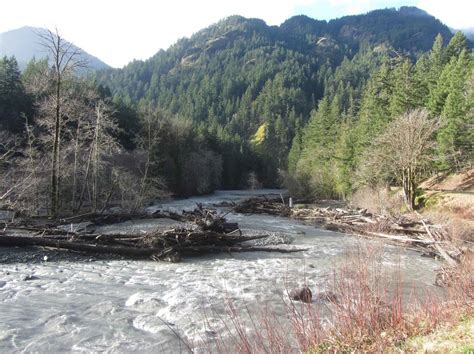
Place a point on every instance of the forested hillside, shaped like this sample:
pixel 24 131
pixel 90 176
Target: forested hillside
pixel 250 88
pixel 344 146
pixel 240 104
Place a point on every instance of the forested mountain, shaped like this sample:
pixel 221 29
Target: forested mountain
pixel 251 86
pixel 344 147
pixel 306 104
pixel 25 44
pixel 469 32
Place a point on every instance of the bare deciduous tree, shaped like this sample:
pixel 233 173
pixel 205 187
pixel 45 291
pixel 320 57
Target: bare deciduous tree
pixel 403 151
pixel 147 141
pixel 9 145
pixel 65 59
pixel 19 166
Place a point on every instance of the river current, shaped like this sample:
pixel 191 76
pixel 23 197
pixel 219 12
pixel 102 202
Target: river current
pixel 99 305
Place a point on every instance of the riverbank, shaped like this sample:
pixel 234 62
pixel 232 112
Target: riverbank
pixel 365 309
pixel 411 230
pixel 356 326
pixel 457 337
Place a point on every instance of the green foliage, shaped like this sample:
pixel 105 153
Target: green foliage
pixel 339 137
pixel 406 93
pixel 453 137
pixel 456 46
pixel 241 98
pixel 344 159
pixel 240 74
pixel 15 103
pixel 295 152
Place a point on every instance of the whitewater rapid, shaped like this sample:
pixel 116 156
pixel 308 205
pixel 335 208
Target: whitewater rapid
pixel 90 304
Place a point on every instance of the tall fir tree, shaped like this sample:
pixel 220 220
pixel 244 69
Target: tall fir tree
pixel 454 115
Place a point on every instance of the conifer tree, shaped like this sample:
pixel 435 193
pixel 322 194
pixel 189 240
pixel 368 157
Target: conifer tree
pixel 374 112
pixel 454 115
pixel 14 101
pixel 456 45
pixel 406 90
pixel 295 152
pixel 344 158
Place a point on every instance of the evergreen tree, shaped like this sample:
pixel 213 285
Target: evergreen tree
pixel 15 103
pixel 406 89
pixel 456 45
pixel 344 159
pixel 374 112
pixel 295 152
pixel 454 116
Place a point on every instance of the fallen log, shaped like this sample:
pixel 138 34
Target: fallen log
pixel 402 238
pixel 263 206
pixel 131 250
pixel 451 261
pixel 25 241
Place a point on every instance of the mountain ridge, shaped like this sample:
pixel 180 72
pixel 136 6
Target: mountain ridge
pixel 332 40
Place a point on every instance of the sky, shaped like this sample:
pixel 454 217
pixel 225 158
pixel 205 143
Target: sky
pixel 122 30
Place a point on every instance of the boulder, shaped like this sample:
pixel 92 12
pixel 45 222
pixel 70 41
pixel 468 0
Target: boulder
pixel 303 294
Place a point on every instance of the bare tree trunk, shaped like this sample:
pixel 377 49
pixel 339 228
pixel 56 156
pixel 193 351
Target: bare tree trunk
pixel 32 166
pixel 143 181
pixel 74 177
pixel 409 188
pixel 412 189
pixel 95 161
pixel 66 59
pixel 149 145
pixel 81 197
pixel 54 174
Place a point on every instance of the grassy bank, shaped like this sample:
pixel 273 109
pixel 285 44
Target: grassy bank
pixel 455 337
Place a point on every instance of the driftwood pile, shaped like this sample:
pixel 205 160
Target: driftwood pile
pixel 263 206
pixel 414 232
pixel 208 233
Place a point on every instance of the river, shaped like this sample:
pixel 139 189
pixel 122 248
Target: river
pixel 93 304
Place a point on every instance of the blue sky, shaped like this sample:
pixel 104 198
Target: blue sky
pixel 324 11
pixel 120 31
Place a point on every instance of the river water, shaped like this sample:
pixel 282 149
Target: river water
pixel 95 305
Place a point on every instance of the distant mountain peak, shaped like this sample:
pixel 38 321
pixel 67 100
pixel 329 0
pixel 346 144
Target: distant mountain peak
pixel 24 44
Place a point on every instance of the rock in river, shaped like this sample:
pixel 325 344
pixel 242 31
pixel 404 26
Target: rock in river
pixel 303 294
